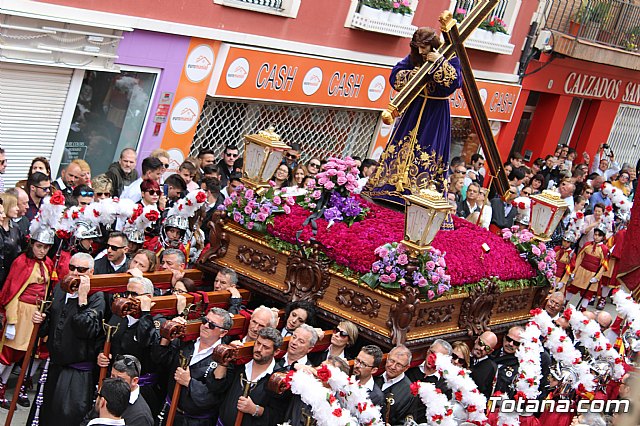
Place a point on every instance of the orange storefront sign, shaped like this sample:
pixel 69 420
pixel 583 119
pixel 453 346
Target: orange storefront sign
pixel 280 77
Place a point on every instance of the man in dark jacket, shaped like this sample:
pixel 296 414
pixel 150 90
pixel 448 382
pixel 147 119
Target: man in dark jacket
pixel 115 261
pixel 368 361
pixel 123 171
pixel 507 362
pixel 111 403
pixel 225 165
pixel 483 368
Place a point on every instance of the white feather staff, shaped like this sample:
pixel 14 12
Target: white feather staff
pixel 50 213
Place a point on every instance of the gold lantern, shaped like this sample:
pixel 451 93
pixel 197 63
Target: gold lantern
pixel 547 210
pixel 424 215
pixel 263 153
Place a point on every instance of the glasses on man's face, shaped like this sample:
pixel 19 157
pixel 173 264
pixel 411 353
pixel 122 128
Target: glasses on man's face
pixel 81 269
pixel 511 340
pixel 210 324
pixel 483 345
pixel 44 188
pixel 114 248
pixel 154 192
pixel 86 193
pixel 290 156
pixel 129 362
pixel 361 363
pixel 231 154
pixel 393 362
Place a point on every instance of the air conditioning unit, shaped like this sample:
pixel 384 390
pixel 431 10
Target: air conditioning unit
pixel 542 42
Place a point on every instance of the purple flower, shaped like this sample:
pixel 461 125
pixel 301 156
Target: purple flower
pixel 332 213
pixel 249 225
pixel 237 217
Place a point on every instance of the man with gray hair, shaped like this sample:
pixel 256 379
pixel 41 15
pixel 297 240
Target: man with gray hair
pixel 127 368
pixel 73 325
pixel 304 338
pixel 227 279
pixel 260 318
pixel 395 384
pixel 426 372
pixel 135 337
pixel 230 381
pixel 198 404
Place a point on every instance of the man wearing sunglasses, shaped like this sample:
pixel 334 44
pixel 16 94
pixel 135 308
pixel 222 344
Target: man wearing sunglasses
pixel 137 413
pixel 507 362
pixel 82 195
pixel 230 381
pixel 291 156
pixel 198 405
pixel 152 169
pixel 38 187
pixel 225 165
pixel 483 368
pixel 115 262
pixel 73 325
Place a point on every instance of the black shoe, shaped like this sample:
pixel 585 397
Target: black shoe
pixel 6 404
pixel 23 401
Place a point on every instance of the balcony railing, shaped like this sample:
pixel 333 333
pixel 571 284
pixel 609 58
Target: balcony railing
pixel 271 4
pixel 612 23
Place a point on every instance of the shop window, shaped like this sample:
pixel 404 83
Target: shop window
pixel 495 37
pixel 286 8
pixel 109 116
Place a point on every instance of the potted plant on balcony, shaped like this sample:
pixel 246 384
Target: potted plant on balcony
pixel 497 30
pixel 577 19
pixel 400 10
pixel 371 9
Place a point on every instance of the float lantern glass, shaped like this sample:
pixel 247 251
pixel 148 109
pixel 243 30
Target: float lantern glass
pixel 547 210
pixel 424 215
pixel 263 153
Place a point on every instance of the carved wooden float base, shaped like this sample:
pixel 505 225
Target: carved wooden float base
pixel 385 318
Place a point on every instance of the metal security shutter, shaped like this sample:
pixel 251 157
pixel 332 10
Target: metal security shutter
pixel 624 138
pixel 32 99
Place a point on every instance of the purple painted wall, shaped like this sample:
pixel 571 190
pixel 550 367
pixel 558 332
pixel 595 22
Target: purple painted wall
pixel 166 52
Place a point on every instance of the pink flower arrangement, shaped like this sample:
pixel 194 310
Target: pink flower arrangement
pixel 339 174
pixel 354 246
pixel 538 254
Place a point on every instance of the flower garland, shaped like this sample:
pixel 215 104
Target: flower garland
pixel 530 370
pixel 629 309
pixel 439 410
pixel 325 407
pixel 464 389
pixel 589 334
pixel 619 200
pixel 563 350
pixel 576 224
pixel 355 398
pixel 506 419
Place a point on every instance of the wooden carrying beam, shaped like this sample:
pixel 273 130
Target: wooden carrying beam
pixel 117 283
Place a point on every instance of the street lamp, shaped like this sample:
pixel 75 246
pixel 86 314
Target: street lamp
pixel 263 153
pixel 547 210
pixel 424 215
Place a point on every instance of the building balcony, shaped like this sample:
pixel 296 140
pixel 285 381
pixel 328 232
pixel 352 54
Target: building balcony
pixel 601 31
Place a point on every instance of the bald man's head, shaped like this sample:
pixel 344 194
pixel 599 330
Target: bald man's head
pixel 484 344
pixel 604 319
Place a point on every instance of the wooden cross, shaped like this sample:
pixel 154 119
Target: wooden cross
pixel 454 45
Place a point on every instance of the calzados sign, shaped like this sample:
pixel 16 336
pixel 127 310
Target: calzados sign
pixel 602 87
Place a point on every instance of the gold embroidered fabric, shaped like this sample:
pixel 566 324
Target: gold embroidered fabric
pixel 403 77
pixel 446 74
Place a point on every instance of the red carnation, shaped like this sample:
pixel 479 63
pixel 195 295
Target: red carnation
pixel 57 199
pixel 449 412
pixel 530 381
pixel 201 197
pixel 458 396
pixel 579 215
pixel 618 360
pixel 521 205
pixel 75 215
pixel 585 321
pixel 64 235
pixel 560 349
pixel 152 216
pixel 436 418
pixel 596 335
pixel 438 390
pixel 567 314
pixel 332 399
pixel 337 412
pixel 189 203
pixel 563 338
pixel 431 360
pixel 461 373
pixel 415 387
pixel 535 312
pixel 96 213
pixel 608 208
pixel 577 361
pixel 608 346
pixel 324 374
pixel 471 409
pixel 638 333
pixel 362 406
pixel 180 207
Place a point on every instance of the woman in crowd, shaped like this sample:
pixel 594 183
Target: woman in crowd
pixel 299 173
pixel 537 183
pixel 456 182
pixel 461 355
pixel 102 187
pixel 591 222
pixel 344 336
pixel 10 236
pixel 281 176
pixel 296 314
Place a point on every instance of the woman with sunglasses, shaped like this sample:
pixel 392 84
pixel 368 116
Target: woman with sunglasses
pixel 344 336
pixel 460 354
pixel 313 166
pixel 25 285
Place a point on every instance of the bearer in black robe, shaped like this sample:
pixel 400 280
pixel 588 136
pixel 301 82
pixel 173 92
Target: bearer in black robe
pixel 507 362
pixel 426 372
pixel 136 336
pixel 231 381
pixel 73 326
pixel 395 385
pixel 199 404
pixel 483 368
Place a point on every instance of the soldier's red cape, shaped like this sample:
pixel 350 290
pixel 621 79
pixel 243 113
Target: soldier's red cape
pixel 629 271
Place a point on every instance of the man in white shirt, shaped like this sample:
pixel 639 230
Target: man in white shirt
pixel 603 166
pixel 152 168
pixel 234 182
pixel 395 384
pixel 368 361
pixel 304 338
pixel 112 401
